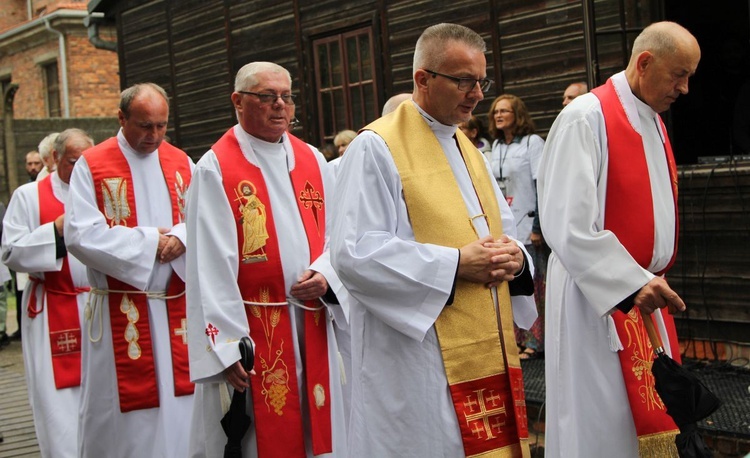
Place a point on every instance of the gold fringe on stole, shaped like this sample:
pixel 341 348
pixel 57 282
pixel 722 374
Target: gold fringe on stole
pixel 660 445
pixel 468 329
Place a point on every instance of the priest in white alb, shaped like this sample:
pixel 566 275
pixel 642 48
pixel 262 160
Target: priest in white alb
pixel 608 206
pixel 257 266
pixel 126 213
pixel 33 234
pixel 423 241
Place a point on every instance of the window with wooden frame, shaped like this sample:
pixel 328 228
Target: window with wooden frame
pixel 347 93
pixel 52 89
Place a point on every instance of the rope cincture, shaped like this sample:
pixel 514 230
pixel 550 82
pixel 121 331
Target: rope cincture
pixel 98 294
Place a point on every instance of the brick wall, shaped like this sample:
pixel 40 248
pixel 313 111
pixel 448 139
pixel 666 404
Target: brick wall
pixel 93 79
pixel 12 13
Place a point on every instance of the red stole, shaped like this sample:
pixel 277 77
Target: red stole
pixel 276 403
pixel 131 333
pixel 629 199
pixel 62 303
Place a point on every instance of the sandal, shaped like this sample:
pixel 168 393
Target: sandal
pixel 529 353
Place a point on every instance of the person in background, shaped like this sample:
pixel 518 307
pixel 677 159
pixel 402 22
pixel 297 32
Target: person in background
pixel 514 159
pixel 574 90
pixel 33 164
pixel 33 242
pixel 45 152
pixel 342 140
pixel 608 206
pixel 394 101
pixel 4 278
pixel 474 129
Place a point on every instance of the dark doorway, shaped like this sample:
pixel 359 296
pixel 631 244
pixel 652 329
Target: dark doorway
pixel 702 121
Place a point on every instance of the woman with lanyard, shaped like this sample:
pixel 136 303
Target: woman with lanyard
pixel 515 157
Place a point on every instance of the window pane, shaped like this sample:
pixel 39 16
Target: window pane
pixel 370 103
pixel 325 75
pixel 327 120
pixel 364 55
pixel 53 90
pixel 357 107
pixel 351 53
pixel 336 65
pixel 340 107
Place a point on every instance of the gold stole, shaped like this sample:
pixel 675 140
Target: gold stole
pixel 481 364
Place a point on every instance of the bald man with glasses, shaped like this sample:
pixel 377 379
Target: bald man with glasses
pixel 424 242
pixel 257 215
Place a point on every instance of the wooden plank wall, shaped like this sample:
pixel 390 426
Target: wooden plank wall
pixel 542 51
pixel 711 270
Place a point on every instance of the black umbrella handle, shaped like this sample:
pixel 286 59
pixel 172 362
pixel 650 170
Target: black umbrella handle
pixel 247 353
pixel 653 336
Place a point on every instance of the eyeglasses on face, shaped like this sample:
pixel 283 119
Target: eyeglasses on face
pixel 267 98
pixel 465 84
pixel 502 111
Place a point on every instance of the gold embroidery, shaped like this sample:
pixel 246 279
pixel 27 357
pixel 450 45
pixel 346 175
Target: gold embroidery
pixel 642 362
pixel 115 196
pixel 319 393
pixel 253 221
pixel 131 331
pixel 182 330
pixel 275 373
pixel 179 186
pixel 481 419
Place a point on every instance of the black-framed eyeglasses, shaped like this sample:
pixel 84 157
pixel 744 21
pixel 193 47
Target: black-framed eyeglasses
pixel 267 98
pixel 465 84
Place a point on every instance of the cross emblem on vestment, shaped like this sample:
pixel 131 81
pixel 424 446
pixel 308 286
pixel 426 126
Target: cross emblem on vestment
pixel 311 199
pixel 182 330
pixel 67 342
pixel 485 414
pixel 212 331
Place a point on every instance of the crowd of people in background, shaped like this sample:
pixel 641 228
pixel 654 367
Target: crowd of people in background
pixel 390 287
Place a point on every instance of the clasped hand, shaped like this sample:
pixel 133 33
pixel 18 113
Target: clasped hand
pixel 490 261
pixel 169 248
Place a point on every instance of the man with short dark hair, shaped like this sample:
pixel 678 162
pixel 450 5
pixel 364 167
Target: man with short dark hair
pixel 608 204
pixel 126 224
pixel 423 243
pixel 54 300
pixel 33 164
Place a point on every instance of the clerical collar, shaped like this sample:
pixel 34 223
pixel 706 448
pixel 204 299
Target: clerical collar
pixel 438 128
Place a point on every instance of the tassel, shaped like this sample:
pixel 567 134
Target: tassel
pixel 659 445
pixel 614 340
pixel 224 398
pixel 342 371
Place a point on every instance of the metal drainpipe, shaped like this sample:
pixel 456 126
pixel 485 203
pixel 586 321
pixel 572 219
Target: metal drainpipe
pixel 30 9
pixel 63 64
pixel 91 22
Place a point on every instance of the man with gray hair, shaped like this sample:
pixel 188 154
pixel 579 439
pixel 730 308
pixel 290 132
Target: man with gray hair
pixel 257 217
pixel 608 206
pixel 126 224
pixel 45 152
pixel 54 301
pixel 423 241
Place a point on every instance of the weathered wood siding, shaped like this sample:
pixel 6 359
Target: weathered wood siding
pixel 711 270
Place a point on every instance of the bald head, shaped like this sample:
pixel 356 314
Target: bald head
pixel 394 102
pixel 665 55
pixel 573 91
